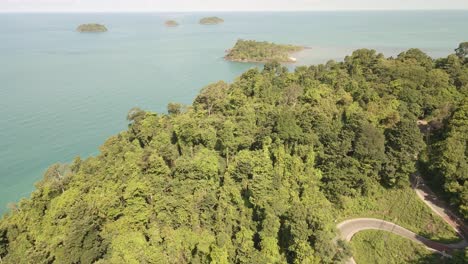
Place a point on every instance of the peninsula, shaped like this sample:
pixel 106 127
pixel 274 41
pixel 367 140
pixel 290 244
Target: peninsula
pixel 256 51
pixel 277 166
pixel 91 28
pixel 171 23
pixel 211 21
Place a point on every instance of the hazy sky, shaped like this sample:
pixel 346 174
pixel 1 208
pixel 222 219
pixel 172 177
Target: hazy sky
pixel 233 5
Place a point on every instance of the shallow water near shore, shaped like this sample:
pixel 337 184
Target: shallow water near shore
pixel 63 93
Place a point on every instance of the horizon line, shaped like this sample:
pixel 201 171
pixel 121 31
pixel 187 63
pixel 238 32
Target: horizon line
pixel 227 11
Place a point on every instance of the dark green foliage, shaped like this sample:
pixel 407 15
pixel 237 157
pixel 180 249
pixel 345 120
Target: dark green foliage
pixel 3 242
pixel 174 108
pixel 417 57
pixel 404 143
pixel 212 98
pixel 253 171
pixel 449 158
pixel 135 114
pixel 462 50
pixel 460 257
pixel 287 128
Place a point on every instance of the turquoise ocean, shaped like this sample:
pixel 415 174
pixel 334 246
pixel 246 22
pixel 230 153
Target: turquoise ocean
pixel 63 93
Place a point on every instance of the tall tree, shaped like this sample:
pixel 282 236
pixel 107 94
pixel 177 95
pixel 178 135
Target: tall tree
pixel 462 50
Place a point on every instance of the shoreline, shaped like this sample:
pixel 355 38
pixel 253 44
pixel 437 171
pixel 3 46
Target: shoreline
pixel 292 60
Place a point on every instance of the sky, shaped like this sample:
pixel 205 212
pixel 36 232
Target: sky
pixel 221 5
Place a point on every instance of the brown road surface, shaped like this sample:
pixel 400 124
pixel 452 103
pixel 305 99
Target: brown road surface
pixel 438 206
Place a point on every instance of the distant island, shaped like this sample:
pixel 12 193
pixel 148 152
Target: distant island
pixel 261 51
pixel 211 21
pixel 171 23
pixel 91 28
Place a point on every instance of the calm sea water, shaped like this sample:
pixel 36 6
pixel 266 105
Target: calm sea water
pixel 63 93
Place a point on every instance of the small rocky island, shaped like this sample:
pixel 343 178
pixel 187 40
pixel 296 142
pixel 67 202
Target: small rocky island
pixel 171 23
pixel 211 21
pixel 261 51
pixel 91 28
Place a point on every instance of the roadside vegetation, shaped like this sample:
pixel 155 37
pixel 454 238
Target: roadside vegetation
pixel 379 247
pixel 400 206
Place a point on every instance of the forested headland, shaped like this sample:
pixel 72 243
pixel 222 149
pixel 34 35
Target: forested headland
pixel 261 51
pixel 256 171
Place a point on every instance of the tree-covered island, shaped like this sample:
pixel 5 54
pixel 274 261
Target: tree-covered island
pixel 211 21
pixel 261 51
pixel 171 23
pixel 93 27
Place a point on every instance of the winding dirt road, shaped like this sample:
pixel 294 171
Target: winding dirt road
pixel 350 227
